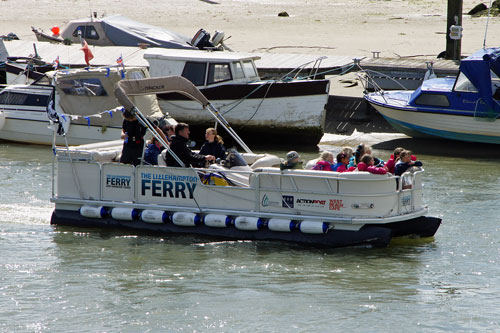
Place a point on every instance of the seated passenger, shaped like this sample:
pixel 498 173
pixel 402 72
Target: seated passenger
pixel 405 162
pixel 214 144
pixel 377 162
pixel 292 161
pixel 325 162
pixel 180 148
pixel 391 162
pixel 342 161
pixel 356 157
pixel 367 164
pixel 152 150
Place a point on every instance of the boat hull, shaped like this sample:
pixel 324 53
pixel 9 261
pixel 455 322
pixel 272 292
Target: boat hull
pixel 272 109
pixel 369 235
pixel 425 124
pixel 37 131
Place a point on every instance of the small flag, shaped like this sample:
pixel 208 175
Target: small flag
pixel 119 61
pixel 86 51
pixel 55 63
pixel 122 73
pixel 108 71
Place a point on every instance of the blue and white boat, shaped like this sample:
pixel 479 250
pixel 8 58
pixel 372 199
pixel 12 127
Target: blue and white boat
pixel 464 108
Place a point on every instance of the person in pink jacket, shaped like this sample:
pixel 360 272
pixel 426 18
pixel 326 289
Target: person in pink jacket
pixel 325 162
pixel 367 164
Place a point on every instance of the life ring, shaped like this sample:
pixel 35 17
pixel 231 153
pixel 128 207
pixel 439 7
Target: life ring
pixel 2 119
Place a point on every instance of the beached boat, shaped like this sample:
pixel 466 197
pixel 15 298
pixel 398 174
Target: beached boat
pixel 464 108
pixel 80 99
pixel 290 111
pixel 119 30
pixel 234 200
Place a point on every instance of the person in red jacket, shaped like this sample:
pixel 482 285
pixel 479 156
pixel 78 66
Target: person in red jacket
pixel 367 164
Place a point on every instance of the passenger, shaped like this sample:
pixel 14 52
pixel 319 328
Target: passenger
pixel 377 162
pixel 405 162
pixel 292 161
pixel 391 162
pixel 168 130
pixel 325 162
pixel 356 158
pixel 152 150
pixel 367 164
pixel 214 144
pixel 133 139
pixel 342 161
pixel 348 151
pixel 179 147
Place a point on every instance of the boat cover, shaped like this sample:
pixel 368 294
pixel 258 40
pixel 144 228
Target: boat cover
pixel 477 68
pixel 123 31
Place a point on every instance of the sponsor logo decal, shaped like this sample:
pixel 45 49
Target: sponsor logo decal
pixel 117 181
pixel 406 200
pixel 303 202
pixel 267 202
pixel 287 201
pixel 336 204
pixel 168 186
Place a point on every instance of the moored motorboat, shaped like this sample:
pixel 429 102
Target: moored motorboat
pixel 465 108
pixel 247 202
pixel 82 99
pixel 269 110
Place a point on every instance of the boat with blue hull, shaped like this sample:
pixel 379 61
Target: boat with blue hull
pixel 464 108
pixel 245 197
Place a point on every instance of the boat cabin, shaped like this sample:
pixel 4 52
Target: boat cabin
pixel 203 68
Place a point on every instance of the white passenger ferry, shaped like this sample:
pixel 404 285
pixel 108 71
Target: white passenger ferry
pixel 243 201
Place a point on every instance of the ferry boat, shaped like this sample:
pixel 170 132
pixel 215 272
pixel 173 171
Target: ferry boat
pixel 464 108
pixel 242 198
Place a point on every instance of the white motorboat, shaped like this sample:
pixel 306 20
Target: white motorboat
pixel 82 98
pixel 276 111
pixel 233 200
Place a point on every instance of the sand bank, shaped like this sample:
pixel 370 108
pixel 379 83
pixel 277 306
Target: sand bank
pixel 355 27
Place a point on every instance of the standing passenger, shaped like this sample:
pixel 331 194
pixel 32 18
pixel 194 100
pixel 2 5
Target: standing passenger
pixel 133 139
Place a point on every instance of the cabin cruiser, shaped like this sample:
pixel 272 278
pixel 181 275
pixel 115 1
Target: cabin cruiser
pixel 80 101
pixel 287 111
pixel 464 108
pixel 250 200
pixel 119 30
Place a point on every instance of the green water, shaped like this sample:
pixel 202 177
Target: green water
pixel 66 279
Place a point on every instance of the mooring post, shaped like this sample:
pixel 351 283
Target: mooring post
pixel 454 19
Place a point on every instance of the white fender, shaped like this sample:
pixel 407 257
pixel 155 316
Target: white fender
pixel 2 119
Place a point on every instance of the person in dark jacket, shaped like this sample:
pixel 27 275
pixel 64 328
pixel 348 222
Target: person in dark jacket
pixel 133 139
pixel 179 147
pixel 405 162
pixel 214 144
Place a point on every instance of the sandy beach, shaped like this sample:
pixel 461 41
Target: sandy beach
pixel 357 27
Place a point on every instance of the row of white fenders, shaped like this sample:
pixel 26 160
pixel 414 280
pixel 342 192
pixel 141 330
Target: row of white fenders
pixel 187 219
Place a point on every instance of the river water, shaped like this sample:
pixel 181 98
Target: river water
pixel 55 279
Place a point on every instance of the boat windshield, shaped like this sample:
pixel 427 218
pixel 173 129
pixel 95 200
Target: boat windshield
pixel 463 84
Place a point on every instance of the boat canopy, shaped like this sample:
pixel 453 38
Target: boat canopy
pixel 478 67
pixel 126 32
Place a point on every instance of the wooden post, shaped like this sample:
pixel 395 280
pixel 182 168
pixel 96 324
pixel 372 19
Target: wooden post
pixel 453 46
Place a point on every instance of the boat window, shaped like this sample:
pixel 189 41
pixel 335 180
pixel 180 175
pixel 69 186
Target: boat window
pixel 136 75
pixel 249 68
pixel 11 98
pixel 463 84
pixel 195 72
pixel 432 100
pixel 238 71
pixel 88 32
pixel 82 87
pixel 495 85
pixel 218 73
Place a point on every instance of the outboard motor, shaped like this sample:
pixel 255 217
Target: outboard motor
pixel 233 159
pixel 201 40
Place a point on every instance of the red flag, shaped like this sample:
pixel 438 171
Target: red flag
pixel 86 51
